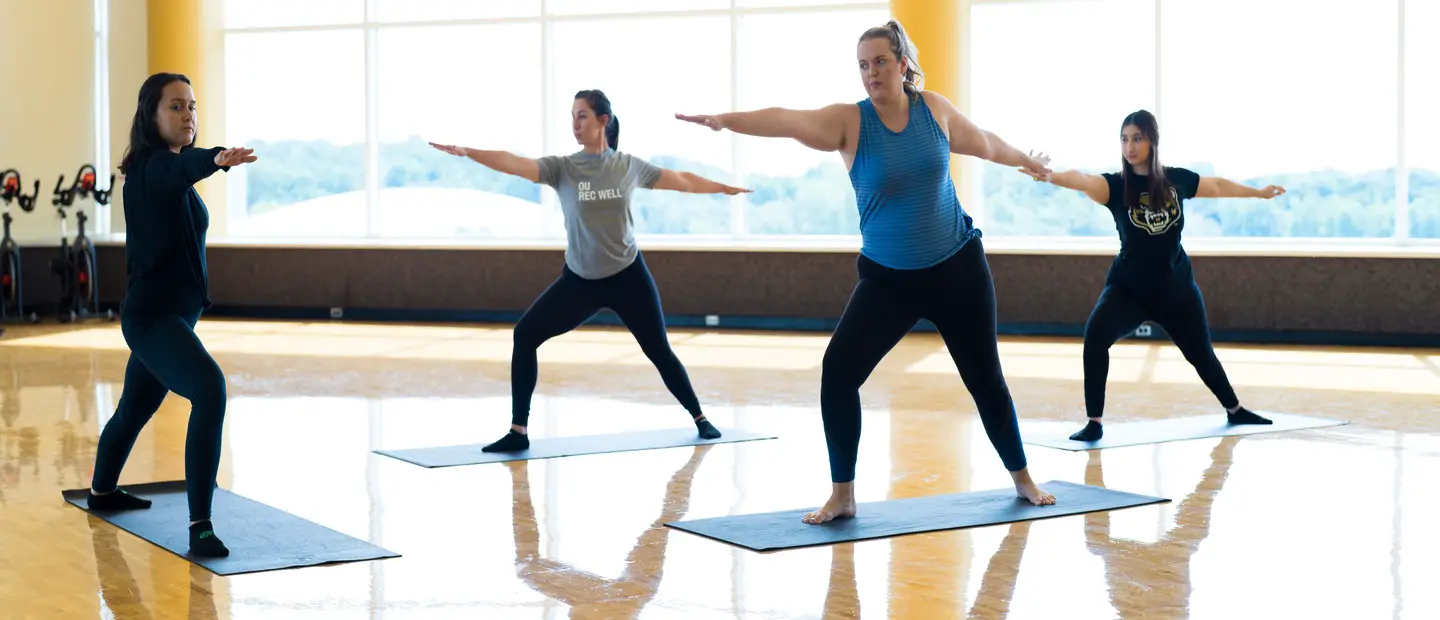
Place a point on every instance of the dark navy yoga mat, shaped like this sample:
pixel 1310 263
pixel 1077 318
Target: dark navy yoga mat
pixel 775 531
pixel 260 538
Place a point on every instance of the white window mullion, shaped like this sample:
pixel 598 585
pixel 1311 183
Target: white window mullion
pixel 738 227
pixel 1402 174
pixel 373 209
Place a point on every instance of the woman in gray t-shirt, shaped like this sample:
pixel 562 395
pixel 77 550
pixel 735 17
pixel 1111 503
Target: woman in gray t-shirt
pixel 603 267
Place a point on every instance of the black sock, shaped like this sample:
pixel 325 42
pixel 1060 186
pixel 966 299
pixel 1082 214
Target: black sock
pixel 511 442
pixel 116 500
pixel 707 430
pixel 1246 416
pixel 204 543
pixel 1093 431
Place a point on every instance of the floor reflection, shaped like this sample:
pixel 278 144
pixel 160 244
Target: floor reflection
pixel 583 538
pixel 121 594
pixel 589 595
pixel 1136 589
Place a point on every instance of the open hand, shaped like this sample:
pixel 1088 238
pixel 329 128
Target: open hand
pixel 713 122
pixel 1037 166
pixel 234 157
pixel 1271 191
pixel 458 151
pixel 1043 178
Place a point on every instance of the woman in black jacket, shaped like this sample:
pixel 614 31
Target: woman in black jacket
pixel 167 290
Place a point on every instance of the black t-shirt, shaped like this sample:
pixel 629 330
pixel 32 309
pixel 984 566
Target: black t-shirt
pixel 1150 258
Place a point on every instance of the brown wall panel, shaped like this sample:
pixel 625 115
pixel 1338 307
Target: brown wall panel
pixel 1357 295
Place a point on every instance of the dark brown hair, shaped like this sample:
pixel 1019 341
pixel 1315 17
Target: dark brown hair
pixel 145 136
pixel 601 105
pixel 1159 185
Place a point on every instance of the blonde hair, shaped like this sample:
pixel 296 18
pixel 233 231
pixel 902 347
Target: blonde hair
pixel 903 48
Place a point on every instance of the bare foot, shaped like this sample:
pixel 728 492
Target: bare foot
pixel 1027 489
pixel 841 505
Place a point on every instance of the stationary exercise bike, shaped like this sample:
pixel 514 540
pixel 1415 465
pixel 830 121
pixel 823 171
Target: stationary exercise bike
pixel 11 293
pixel 79 291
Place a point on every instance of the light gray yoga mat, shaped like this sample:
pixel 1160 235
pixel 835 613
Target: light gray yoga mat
pixel 556 447
pixel 1143 432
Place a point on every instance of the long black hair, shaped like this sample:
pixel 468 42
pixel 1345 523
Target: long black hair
pixel 1159 185
pixel 144 133
pixel 601 105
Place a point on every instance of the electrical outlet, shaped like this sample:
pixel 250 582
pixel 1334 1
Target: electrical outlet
pixel 712 320
pixel 336 313
pixel 1143 331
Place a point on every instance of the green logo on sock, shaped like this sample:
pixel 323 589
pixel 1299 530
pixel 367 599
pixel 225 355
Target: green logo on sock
pixel 206 534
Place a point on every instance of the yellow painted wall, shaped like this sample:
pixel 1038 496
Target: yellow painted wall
pixel 129 66
pixel 47 109
pixel 937 29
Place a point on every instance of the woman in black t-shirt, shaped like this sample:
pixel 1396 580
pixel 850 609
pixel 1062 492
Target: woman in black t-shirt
pixel 1151 279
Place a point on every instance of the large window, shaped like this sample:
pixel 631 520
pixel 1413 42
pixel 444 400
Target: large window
pixel 1284 105
pixel 1422 125
pixel 647 83
pixel 802 61
pixel 1257 91
pixel 342 98
pixel 1058 77
pixel 298 99
pixel 439 84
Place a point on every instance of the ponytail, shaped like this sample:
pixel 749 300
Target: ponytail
pixel 612 132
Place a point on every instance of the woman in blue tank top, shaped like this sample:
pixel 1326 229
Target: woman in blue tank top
pixel 920 257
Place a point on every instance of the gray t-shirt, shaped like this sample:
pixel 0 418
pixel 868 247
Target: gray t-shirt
pixel 595 199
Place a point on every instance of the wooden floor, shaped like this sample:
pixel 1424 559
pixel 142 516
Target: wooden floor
pixel 1329 523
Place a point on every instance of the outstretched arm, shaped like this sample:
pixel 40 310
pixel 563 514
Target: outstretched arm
pixel 968 139
pixel 692 183
pixel 175 172
pixel 1092 185
pixel 499 161
pixel 1216 187
pixel 822 129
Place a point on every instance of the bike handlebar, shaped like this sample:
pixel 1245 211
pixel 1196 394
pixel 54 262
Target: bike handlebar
pixel 12 187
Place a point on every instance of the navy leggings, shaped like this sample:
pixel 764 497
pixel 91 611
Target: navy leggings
pixel 569 302
pixel 956 295
pixel 166 356
pixel 1180 312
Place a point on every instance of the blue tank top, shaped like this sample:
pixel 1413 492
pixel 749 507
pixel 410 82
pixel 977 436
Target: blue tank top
pixel 910 217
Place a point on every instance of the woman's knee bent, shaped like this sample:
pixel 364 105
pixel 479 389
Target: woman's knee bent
pixel 209 394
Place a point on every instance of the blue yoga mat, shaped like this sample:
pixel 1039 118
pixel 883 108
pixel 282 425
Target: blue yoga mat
pixel 774 531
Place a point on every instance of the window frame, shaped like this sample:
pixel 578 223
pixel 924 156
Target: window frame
pixel 1400 243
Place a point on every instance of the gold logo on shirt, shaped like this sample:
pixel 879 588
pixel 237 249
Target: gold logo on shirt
pixel 1156 221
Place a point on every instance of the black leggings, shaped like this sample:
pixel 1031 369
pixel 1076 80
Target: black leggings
pixel 1180 312
pixel 166 356
pixel 958 296
pixel 570 301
